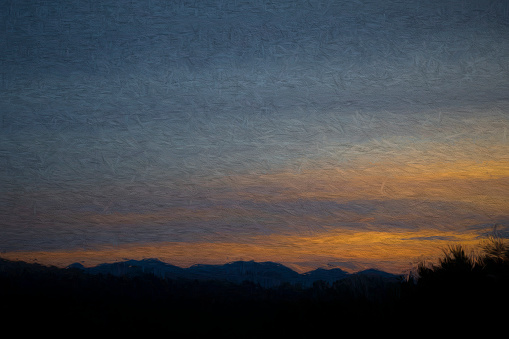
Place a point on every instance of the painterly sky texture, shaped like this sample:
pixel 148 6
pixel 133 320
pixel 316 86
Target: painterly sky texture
pixel 320 133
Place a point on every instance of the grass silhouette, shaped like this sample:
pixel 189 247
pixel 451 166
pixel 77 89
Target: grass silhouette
pixel 463 290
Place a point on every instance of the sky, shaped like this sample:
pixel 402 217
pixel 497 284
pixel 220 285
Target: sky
pixel 353 134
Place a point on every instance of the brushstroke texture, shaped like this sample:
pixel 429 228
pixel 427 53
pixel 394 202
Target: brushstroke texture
pixel 366 133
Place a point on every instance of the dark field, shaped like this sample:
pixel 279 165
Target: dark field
pixel 460 293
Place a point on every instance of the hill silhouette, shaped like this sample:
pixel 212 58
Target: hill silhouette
pixel 460 293
pixel 266 274
pixel 140 295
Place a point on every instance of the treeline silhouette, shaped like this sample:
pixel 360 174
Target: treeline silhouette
pixel 46 296
pixel 463 287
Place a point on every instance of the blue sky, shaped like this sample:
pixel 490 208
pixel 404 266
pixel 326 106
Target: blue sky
pixel 270 123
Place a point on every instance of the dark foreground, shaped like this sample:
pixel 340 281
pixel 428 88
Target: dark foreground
pixel 39 299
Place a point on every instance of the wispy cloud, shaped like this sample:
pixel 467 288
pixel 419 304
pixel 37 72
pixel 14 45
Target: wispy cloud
pixel 264 129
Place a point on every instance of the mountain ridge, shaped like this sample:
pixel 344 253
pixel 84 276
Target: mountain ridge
pixel 266 274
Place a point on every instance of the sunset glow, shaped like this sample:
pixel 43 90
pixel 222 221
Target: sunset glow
pixel 351 134
pixel 344 219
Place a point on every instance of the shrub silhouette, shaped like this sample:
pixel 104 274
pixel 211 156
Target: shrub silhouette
pixel 496 250
pixel 475 286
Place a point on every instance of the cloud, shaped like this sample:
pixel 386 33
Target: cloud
pixel 435 238
pixel 190 123
pixel 393 251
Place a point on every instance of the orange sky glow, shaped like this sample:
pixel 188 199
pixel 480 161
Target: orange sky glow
pixel 350 134
pixel 474 191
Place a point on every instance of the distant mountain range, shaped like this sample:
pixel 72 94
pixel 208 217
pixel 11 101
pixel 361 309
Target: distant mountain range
pixel 267 274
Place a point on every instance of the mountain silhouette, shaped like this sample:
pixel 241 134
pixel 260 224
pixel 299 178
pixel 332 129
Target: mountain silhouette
pixel 266 274
pixel 327 275
pixel 135 268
